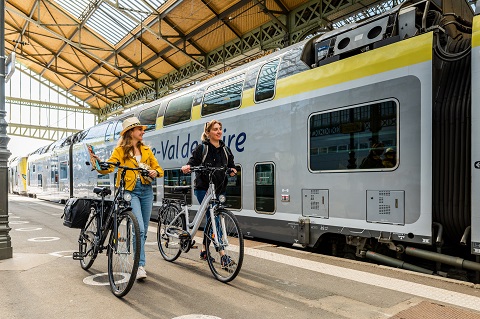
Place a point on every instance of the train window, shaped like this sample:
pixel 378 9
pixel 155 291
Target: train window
pixel 178 110
pixel 265 87
pixel 118 128
pixel 53 173
pixel 63 170
pixel 360 137
pixel 175 177
pixel 265 188
pixel 148 117
pixel 234 190
pixel 96 132
pixel 109 133
pixel 223 96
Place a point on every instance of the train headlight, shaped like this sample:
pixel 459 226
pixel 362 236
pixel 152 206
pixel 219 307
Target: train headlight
pixel 127 197
pixel 222 199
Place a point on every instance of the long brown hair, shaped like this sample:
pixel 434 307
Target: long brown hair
pixel 125 142
pixel 208 128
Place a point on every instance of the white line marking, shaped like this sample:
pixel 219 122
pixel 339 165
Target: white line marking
pixel 43 239
pixel 408 287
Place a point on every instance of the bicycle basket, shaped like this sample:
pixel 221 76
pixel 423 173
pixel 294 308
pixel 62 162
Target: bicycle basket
pixel 76 212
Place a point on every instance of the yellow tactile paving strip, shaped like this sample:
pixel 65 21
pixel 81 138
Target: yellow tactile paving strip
pixel 429 310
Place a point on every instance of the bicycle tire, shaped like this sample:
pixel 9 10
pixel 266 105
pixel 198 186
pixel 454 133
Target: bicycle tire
pixel 231 246
pixel 87 242
pixel 169 247
pixel 123 260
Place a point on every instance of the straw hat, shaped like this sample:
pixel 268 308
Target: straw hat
pixel 130 123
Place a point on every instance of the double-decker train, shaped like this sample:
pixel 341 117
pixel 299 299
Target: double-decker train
pixel 361 142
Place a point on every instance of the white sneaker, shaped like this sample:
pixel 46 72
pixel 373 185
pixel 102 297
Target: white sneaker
pixel 141 273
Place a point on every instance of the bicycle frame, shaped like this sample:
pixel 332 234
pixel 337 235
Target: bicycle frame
pixel 205 205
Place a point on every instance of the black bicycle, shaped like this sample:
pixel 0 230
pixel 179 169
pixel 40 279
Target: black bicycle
pixel 112 219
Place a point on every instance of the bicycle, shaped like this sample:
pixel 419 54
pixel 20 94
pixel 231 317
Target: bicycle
pixel 224 238
pixel 112 219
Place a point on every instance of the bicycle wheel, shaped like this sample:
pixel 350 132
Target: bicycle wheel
pixel 169 246
pixel 124 254
pixel 86 242
pixel 228 256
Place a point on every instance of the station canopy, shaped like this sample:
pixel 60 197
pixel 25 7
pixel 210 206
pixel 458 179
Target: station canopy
pixel 106 51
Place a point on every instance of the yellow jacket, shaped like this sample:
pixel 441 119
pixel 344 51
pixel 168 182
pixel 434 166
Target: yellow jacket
pixel 131 176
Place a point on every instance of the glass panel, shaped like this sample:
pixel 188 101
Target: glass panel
pixel 63 170
pixel 223 98
pixel 354 138
pixel 265 188
pixel 149 117
pixel 234 190
pixel 110 132
pixel 265 88
pixel 175 177
pixel 178 110
pixel 96 132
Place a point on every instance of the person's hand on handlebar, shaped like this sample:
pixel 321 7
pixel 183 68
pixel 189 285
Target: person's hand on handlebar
pixel 152 173
pixel 185 169
pixel 232 171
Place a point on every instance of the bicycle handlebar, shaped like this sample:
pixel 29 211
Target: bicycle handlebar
pixel 210 169
pixel 106 165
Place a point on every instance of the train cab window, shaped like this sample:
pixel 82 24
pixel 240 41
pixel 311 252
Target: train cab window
pixel 110 132
pixel 178 110
pixel 360 137
pixel 265 188
pixel 119 128
pixel 223 96
pixel 234 190
pixel 148 117
pixel 265 87
pixel 96 132
pixel 175 177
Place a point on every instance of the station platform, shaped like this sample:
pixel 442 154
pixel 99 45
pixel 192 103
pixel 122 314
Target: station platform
pixel 43 281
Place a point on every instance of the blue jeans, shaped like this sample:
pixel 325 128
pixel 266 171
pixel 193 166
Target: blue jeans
pixel 142 200
pixel 200 194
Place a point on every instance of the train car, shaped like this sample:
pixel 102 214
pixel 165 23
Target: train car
pixel 17 169
pixel 37 171
pixel 356 141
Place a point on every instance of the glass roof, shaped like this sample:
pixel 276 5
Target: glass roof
pixel 111 19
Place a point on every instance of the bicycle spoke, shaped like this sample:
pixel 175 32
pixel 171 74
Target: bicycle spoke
pixel 124 255
pixel 228 251
pixel 169 246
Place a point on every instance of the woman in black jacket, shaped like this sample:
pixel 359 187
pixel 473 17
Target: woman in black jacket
pixel 213 153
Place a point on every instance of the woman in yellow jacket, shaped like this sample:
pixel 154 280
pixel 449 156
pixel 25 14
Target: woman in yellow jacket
pixel 131 152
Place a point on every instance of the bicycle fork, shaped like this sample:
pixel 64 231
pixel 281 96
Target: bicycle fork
pixel 219 238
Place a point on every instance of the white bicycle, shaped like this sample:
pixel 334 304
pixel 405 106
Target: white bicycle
pixel 224 238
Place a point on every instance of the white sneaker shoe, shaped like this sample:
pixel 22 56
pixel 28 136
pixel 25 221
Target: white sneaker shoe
pixel 141 273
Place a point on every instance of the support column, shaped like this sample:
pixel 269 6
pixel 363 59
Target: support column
pixel 5 240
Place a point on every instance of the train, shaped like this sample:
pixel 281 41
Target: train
pixel 17 175
pixel 311 126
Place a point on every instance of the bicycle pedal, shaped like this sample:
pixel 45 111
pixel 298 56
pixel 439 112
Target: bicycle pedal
pixel 77 255
pixel 192 245
pixel 183 235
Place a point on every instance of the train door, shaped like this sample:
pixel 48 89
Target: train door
pixel 475 134
pixel 54 178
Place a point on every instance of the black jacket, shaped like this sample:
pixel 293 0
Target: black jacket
pixel 215 157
